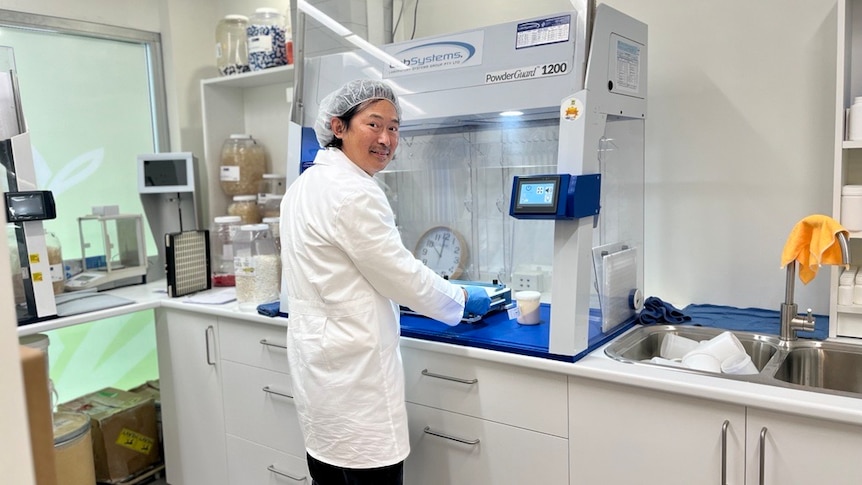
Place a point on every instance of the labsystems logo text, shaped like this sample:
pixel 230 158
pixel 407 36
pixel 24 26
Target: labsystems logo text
pixel 437 54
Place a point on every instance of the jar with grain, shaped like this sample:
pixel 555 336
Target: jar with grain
pixel 267 35
pixel 223 232
pixel 55 260
pixel 232 45
pixel 257 266
pixel 243 162
pixel 245 206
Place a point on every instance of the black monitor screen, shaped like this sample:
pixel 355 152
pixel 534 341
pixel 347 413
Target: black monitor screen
pixel 163 173
pixel 29 205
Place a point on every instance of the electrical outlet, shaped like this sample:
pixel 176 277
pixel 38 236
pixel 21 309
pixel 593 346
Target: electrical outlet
pixel 527 280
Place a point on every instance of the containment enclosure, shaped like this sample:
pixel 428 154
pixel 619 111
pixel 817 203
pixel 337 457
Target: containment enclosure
pixel 482 108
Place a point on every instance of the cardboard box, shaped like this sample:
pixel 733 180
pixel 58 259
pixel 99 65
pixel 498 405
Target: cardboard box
pixel 33 366
pixel 124 431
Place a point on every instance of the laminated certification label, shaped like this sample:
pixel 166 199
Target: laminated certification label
pixel 135 441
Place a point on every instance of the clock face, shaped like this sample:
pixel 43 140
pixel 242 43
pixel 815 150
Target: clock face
pixel 443 250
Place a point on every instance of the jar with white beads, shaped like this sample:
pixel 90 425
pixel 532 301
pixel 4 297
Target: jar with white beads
pixel 267 35
pixel 232 45
pixel 257 266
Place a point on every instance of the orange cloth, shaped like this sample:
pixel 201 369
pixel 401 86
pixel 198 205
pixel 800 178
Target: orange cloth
pixel 813 242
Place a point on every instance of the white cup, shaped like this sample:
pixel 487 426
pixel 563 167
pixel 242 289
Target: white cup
pixel 528 306
pixel 722 346
pixel 667 362
pixel 701 361
pixel 738 364
pixel 675 347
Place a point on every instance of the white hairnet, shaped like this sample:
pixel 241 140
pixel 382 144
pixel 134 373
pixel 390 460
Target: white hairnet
pixel 340 101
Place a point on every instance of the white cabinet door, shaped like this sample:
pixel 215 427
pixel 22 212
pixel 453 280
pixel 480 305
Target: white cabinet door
pixel 487 453
pixel 259 407
pixel 801 451
pixel 621 435
pixel 253 464
pixel 518 396
pixel 192 412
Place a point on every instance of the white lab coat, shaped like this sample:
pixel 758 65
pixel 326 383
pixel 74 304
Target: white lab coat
pixel 345 268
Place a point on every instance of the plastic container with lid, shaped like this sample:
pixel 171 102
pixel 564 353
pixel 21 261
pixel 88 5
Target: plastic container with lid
pixel 270 184
pixel 288 36
pixel 267 36
pixel 274 229
pixel 257 266
pixel 232 45
pixel 55 260
pixel 223 231
pixel 854 120
pixel 851 207
pixel 243 162
pixel 245 206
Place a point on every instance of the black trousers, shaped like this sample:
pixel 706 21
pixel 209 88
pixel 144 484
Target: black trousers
pixel 325 474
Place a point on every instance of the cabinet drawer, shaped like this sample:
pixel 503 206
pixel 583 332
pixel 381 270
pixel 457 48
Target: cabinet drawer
pixel 267 417
pixel 503 454
pixel 507 394
pixel 248 462
pixel 254 344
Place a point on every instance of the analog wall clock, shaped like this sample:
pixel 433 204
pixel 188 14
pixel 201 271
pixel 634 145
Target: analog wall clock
pixel 442 249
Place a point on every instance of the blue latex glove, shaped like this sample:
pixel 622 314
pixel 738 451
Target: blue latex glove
pixel 477 302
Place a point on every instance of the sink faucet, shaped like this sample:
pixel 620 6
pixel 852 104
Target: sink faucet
pixel 791 322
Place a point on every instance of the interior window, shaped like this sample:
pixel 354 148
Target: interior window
pixel 93 100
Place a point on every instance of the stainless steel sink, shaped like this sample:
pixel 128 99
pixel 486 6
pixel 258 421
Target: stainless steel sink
pixel 828 367
pixel 645 343
pixel 824 365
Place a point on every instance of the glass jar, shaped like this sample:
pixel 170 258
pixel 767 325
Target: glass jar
pixel 274 229
pixel 55 260
pixel 266 39
pixel 223 232
pixel 257 266
pixel 270 184
pixel 232 45
pixel 245 206
pixel 243 162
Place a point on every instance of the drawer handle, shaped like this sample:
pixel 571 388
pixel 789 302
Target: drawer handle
pixel 724 452
pixel 449 378
pixel 762 456
pixel 275 470
pixel 269 390
pixel 428 430
pixel 266 342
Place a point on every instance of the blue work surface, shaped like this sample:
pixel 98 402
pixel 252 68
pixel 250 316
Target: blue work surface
pixel 496 332
pixel 755 320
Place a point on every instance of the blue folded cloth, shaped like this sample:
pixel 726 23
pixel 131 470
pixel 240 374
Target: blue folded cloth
pixel 271 309
pixel 657 311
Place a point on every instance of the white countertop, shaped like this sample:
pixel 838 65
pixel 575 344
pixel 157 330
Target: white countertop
pixel 596 365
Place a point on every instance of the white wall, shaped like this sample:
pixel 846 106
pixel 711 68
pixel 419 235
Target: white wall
pixel 739 136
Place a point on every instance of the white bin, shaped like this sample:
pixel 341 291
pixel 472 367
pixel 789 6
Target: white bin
pixel 851 207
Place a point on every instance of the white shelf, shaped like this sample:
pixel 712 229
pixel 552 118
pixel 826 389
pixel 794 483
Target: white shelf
pixel 857 309
pixel 849 145
pixel 266 77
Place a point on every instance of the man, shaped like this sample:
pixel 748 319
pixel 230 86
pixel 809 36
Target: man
pixel 346 272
